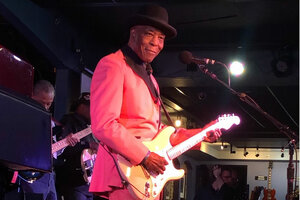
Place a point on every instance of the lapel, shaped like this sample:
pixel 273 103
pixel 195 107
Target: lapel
pixel 138 66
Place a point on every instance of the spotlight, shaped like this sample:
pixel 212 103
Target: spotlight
pixel 257 154
pixel 231 151
pixel 245 152
pixel 236 68
pixel 178 123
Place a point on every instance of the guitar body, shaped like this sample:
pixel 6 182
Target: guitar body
pixel 87 160
pixel 269 194
pixel 145 185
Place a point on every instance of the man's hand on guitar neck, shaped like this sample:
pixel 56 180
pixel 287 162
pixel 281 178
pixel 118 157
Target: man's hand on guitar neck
pixel 154 163
pixel 183 134
pixel 212 136
pixel 72 140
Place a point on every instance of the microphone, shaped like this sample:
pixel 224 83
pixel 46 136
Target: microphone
pixel 186 57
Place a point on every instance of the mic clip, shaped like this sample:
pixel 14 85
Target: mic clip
pixel 204 69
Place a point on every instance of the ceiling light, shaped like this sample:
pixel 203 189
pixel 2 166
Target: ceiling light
pixel 178 123
pixel 222 146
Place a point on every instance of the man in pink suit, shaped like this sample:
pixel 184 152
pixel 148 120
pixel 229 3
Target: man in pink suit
pixel 125 105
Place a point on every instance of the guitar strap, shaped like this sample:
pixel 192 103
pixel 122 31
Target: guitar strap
pixel 138 66
pixel 149 72
pixel 123 181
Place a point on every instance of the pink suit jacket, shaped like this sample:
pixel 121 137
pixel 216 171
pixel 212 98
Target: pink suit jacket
pixel 123 114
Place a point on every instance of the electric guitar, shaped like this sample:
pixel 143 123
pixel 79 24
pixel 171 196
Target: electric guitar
pixel 88 157
pixel 31 176
pixel 269 193
pixel 145 185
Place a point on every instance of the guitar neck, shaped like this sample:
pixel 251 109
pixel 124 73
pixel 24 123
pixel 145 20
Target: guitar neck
pixel 63 143
pixel 269 178
pixel 270 174
pixel 223 122
pixel 189 143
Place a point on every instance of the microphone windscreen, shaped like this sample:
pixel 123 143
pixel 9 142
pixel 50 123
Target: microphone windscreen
pixel 185 57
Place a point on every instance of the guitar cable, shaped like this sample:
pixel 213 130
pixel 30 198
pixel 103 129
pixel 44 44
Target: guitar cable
pixel 123 181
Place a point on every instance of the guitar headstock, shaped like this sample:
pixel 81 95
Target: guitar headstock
pixel 227 120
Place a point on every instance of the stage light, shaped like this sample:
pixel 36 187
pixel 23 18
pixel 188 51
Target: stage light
pixel 245 152
pixel 257 154
pixel 236 68
pixel 231 151
pixel 178 123
pixel 222 146
pixel 282 150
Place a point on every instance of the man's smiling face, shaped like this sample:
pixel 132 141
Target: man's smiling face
pixel 147 42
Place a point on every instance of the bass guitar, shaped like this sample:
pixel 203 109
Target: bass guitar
pixel 269 193
pixel 88 157
pixel 31 176
pixel 64 143
pixel 144 185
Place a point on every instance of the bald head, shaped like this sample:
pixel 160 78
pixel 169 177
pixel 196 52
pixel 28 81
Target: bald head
pixel 43 93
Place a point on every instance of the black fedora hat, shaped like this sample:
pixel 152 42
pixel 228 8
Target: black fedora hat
pixel 156 16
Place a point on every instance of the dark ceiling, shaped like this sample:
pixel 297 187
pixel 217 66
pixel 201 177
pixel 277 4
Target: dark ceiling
pixel 259 31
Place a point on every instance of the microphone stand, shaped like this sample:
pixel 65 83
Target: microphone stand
pixel 281 127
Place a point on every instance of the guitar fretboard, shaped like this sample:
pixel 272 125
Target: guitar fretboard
pixel 223 122
pixel 63 143
pixel 189 143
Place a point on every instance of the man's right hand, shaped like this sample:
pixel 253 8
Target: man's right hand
pixel 155 164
